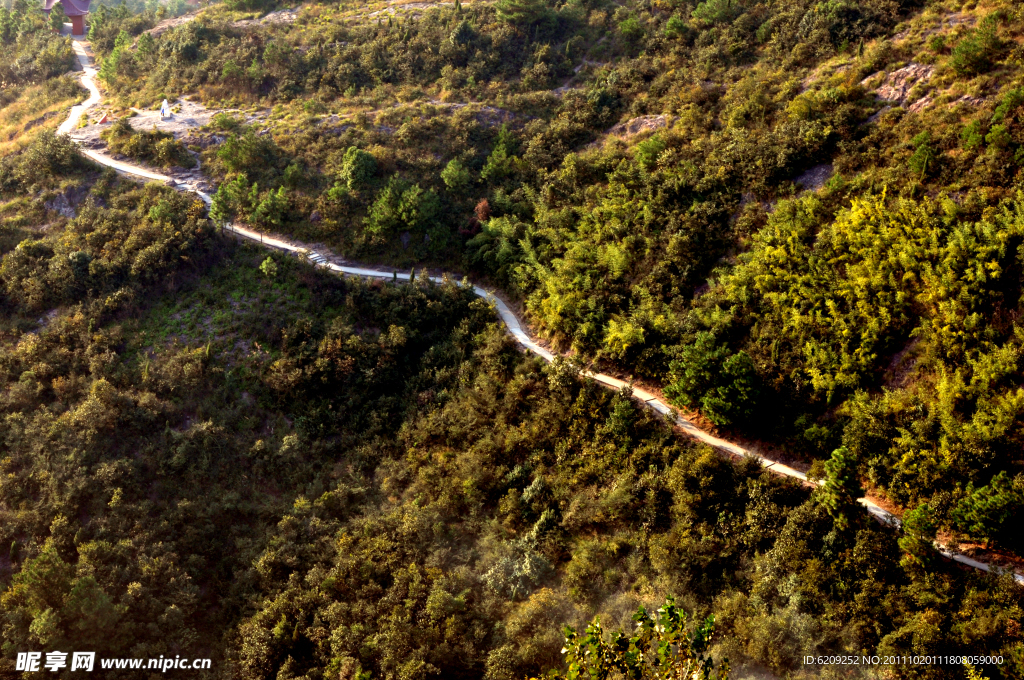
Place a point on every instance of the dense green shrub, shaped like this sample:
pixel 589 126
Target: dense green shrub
pixel 150 146
pixel 28 52
pixel 723 385
pixel 976 51
pixel 357 168
pixel 841 488
pixel 403 206
pixel 47 156
pixel 662 646
pixel 154 231
pixel 716 11
pixel 113 26
pixel 917 542
pixel 456 177
pixel 892 270
pixel 250 153
pixel 988 512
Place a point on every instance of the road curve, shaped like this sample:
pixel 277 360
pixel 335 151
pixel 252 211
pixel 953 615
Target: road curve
pixel 511 321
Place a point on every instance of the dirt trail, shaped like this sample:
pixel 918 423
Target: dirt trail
pixel 508 317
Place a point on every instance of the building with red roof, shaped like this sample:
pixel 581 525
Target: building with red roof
pixel 74 10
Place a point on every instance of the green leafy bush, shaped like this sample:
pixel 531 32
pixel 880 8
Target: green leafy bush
pixel 919 531
pixel 1011 101
pixel 972 136
pixel 676 27
pixel 924 154
pixel 841 488
pixel 523 12
pixel 716 11
pixel 150 146
pixel 249 153
pixel 998 137
pixel 631 30
pixel 456 177
pixel 225 122
pixel 269 268
pixel 663 646
pixel 47 156
pixel 647 151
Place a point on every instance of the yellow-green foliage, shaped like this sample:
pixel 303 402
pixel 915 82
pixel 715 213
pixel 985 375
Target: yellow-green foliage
pixel 828 309
pixel 304 476
pixel 680 236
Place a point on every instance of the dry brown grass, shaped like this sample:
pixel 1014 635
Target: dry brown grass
pixel 27 115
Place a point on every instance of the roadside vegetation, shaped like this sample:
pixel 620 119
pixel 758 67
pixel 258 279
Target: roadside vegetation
pixel 209 450
pixel 32 92
pixel 149 146
pixel 875 312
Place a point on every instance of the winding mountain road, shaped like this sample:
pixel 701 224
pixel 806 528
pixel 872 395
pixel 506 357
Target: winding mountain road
pixel 511 321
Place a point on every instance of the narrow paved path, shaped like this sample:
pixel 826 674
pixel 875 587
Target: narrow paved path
pixel 511 321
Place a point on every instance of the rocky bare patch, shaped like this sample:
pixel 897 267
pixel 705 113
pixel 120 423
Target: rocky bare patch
pixel 187 117
pixel 635 126
pixel 815 178
pixel 168 24
pixel 896 86
pixel 281 16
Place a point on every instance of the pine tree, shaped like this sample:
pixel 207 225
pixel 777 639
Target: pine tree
pixel 988 512
pixel 918 537
pixel 841 487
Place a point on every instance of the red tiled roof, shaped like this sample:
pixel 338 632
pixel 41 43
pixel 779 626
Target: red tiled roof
pixel 72 8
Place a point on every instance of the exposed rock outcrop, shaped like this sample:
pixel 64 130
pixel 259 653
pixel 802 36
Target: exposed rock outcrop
pixel 897 85
pixel 635 126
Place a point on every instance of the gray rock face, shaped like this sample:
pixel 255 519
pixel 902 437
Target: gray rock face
pixel 65 202
pixel 897 85
pixel 815 178
pixel 635 126
pixel 61 205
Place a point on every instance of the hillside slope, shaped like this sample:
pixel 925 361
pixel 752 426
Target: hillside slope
pixel 209 452
pixel 801 220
